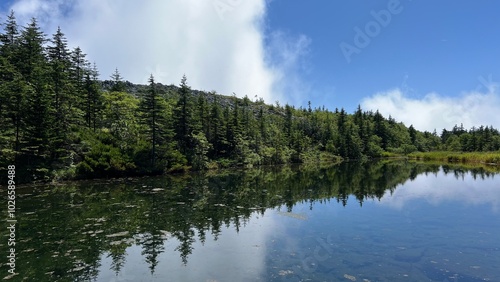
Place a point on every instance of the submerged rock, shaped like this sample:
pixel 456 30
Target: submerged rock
pixel 350 277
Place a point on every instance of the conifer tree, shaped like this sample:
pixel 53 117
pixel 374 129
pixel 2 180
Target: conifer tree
pixel 218 136
pixel 64 108
pixel 9 40
pixel 117 81
pixel 93 99
pixel 184 118
pixel 12 90
pixel 33 66
pixel 152 109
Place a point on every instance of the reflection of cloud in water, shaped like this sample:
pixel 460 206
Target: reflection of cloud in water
pixel 440 188
pixel 233 257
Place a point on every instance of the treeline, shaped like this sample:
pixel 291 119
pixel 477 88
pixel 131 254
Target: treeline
pixel 482 139
pixel 58 120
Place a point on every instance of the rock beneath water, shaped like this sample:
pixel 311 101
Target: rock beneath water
pixel 285 272
pixel 350 277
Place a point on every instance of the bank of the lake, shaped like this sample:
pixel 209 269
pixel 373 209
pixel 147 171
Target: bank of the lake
pixel 489 158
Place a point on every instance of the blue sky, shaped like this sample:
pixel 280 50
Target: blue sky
pixel 428 63
pixel 429 46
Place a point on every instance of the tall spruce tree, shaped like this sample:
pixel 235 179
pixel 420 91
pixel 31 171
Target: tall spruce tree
pixel 184 118
pixel 9 39
pixel 34 68
pixel 151 117
pixel 12 91
pixel 79 68
pixel 93 98
pixel 217 133
pixel 117 80
pixel 63 98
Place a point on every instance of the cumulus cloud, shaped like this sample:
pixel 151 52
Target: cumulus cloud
pixel 218 44
pixel 245 251
pixel 435 111
pixel 287 55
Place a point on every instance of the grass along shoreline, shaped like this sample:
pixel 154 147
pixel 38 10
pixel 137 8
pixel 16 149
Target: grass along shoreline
pixel 490 158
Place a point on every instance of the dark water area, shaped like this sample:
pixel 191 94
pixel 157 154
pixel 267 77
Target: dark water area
pixel 374 221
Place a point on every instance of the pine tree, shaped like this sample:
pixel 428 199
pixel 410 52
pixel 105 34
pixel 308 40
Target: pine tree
pixel 78 70
pixel 12 106
pixel 380 129
pixel 184 118
pixel 117 81
pixel 217 137
pixel 59 61
pixel 413 135
pixel 33 66
pixel 151 110
pixel 12 92
pixel 9 40
pixel 79 67
pixel 93 99
pixel 202 120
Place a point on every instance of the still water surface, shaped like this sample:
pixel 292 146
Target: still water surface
pixel 380 221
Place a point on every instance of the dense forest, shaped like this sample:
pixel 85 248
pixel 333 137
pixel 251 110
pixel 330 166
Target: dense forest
pixel 58 120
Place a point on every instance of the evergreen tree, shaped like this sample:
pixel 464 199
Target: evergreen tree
pixel 152 108
pixel 413 135
pixel 380 129
pixel 184 118
pixel 79 67
pixel 9 39
pixel 33 66
pixel 217 137
pixel 59 61
pixel 93 99
pixel 117 81
pixel 262 124
pixel 12 108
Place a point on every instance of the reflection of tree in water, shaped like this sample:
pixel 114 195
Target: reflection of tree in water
pixel 151 211
pixel 117 254
pixel 186 237
pixel 152 246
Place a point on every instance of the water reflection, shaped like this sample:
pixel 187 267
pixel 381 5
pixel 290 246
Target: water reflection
pixel 263 224
pixel 436 189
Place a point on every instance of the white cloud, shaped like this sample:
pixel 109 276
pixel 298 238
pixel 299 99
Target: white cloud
pixel 218 44
pixel 434 111
pixel 235 256
pixel 287 56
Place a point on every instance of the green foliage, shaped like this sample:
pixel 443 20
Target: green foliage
pixel 105 158
pixel 201 146
pixel 57 120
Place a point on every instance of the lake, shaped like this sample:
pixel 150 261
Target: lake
pixel 372 221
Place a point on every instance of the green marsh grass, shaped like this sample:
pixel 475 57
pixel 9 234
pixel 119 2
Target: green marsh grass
pixel 491 158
